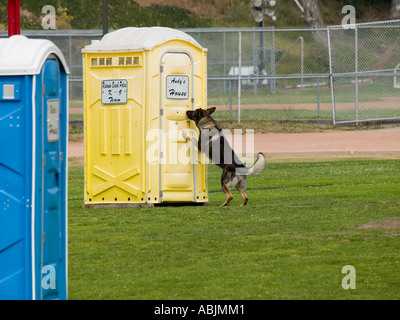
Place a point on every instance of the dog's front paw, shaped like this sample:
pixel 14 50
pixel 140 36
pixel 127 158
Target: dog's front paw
pixel 186 136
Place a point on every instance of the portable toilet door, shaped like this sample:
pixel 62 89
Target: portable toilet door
pixel 181 72
pixel 33 169
pixel 177 170
pixel 51 164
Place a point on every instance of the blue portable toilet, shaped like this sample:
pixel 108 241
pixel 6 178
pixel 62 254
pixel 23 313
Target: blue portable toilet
pixel 33 169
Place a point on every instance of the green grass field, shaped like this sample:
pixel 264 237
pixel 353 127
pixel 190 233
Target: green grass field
pixel 303 223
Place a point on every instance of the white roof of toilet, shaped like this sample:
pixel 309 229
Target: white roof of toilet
pixel 138 39
pixel 20 55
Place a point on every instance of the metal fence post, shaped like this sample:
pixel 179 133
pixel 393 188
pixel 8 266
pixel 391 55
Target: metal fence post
pixel 302 61
pixel 356 68
pixel 273 83
pixel 255 58
pixel 224 56
pixel 328 30
pixel 239 73
pixel 230 98
pixel 318 99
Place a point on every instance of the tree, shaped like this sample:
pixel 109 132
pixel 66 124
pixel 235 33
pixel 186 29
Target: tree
pixel 395 9
pixel 313 20
pixel 312 15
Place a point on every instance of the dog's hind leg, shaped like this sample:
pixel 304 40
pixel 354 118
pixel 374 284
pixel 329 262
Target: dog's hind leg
pixel 228 196
pixel 244 196
pixel 241 188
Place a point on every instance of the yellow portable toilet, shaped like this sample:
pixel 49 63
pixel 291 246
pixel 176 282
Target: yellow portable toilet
pixel 138 85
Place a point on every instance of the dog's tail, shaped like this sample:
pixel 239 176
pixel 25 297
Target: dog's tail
pixel 256 169
pixel 258 166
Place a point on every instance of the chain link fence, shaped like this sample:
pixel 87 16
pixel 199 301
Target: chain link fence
pixel 267 74
pixel 322 75
pixel 364 59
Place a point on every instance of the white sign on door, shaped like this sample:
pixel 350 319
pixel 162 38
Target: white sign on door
pixel 114 91
pixel 177 87
pixel 53 120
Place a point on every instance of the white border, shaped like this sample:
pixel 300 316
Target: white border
pixel 66 185
pixel 33 185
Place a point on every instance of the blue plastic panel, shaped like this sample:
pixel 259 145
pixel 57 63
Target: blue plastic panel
pixel 15 190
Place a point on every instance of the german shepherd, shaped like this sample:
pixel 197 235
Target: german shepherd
pixel 213 143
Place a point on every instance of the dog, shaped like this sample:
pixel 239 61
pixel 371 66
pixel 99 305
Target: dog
pixel 214 144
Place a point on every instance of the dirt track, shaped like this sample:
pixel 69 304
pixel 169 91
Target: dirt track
pixel 381 143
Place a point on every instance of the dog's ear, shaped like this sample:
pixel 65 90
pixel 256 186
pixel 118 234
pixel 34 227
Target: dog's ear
pixel 190 114
pixel 211 110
